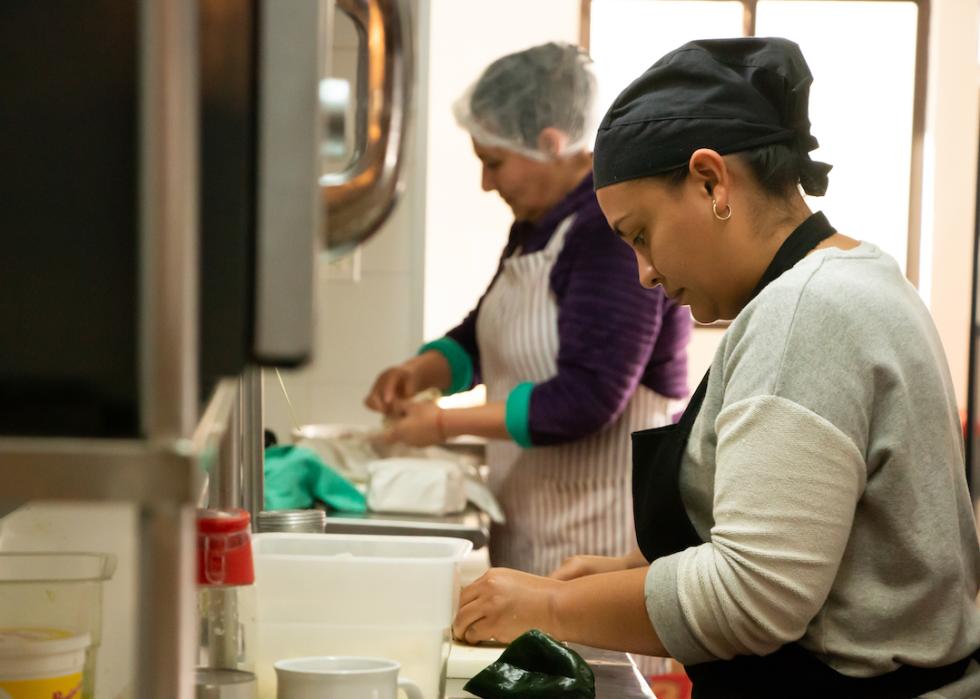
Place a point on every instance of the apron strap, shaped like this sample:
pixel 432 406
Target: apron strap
pixel 557 241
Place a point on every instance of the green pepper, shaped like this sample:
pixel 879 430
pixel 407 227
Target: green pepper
pixel 535 666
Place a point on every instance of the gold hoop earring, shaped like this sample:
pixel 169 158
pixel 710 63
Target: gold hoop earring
pixel 714 210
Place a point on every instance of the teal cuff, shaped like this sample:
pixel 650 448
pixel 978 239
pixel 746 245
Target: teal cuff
pixel 517 416
pixel 460 364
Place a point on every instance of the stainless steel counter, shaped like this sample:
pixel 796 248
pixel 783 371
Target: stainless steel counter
pixel 616 676
pixel 471 524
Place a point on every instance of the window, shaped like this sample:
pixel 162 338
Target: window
pixel 866 104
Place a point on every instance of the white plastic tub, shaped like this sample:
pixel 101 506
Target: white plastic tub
pixel 38 662
pixel 341 594
pixel 57 591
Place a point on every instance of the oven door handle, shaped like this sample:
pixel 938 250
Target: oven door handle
pixel 357 200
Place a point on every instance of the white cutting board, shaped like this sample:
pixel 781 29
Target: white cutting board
pixel 466 661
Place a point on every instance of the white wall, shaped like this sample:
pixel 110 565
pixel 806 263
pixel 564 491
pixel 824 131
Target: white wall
pixel 369 306
pixel 441 248
pixel 949 191
pixel 465 227
pixel 446 235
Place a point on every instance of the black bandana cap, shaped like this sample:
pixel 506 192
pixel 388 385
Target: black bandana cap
pixel 729 95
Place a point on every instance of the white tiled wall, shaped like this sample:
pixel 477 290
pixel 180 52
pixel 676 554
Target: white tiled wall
pixel 369 308
pixel 362 327
pixel 443 240
pixel 367 325
pixel 466 228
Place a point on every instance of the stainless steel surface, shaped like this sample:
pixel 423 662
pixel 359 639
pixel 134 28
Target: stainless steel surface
pixel 334 102
pixel 166 642
pixel 253 443
pixel 295 521
pixel 97 470
pixel 118 469
pixel 616 675
pixel 224 684
pixel 212 430
pixel 472 524
pixel 221 448
pixel 359 198
pixel 288 213
pixel 168 117
pixel 168 211
pixel 466 445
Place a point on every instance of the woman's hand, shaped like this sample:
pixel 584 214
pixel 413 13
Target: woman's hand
pixel 393 385
pixel 418 424
pixel 502 604
pixel 580 566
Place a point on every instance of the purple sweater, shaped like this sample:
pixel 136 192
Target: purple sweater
pixel 613 333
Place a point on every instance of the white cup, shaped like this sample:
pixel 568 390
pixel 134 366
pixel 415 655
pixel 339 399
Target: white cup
pixel 341 677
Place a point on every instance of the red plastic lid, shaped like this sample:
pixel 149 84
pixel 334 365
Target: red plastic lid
pixel 224 548
pixel 222 521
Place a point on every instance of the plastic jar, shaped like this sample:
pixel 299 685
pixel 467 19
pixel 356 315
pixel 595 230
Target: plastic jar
pixel 225 577
pixel 52 590
pixel 38 663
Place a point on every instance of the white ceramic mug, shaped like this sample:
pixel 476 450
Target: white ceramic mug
pixel 341 677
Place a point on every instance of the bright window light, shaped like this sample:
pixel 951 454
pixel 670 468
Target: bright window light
pixel 862 55
pixel 628 36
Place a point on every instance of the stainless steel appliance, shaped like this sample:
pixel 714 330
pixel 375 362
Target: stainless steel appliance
pixel 163 208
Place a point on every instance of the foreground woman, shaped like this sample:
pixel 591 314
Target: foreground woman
pixel 805 530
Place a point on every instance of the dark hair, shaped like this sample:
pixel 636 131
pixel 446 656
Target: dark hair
pixel 776 167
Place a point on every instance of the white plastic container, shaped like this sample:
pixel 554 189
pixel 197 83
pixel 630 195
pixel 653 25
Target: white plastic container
pixel 56 591
pixel 416 485
pixel 62 527
pixel 39 662
pixel 341 594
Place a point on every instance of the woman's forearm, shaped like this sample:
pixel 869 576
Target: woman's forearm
pixel 482 421
pixel 431 370
pixel 607 610
pixel 636 559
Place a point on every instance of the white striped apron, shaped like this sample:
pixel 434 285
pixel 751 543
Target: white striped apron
pixel 563 500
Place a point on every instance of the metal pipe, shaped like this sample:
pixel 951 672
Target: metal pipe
pixel 359 199
pixel 168 334
pixel 225 490
pixel 168 219
pixel 166 640
pixel 253 443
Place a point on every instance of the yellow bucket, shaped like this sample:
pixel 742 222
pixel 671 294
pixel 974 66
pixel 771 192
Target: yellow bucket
pixel 40 663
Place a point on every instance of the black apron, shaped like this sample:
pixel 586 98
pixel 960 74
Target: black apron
pixel 663 528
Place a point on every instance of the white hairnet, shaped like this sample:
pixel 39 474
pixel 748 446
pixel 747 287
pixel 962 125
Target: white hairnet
pixel 523 93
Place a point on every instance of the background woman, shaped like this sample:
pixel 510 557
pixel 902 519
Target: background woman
pixel 574 352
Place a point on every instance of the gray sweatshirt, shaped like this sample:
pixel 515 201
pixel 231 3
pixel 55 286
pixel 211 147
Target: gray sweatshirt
pixel 826 473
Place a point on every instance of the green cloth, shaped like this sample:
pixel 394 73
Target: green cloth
pixel 295 477
pixel 517 415
pixel 460 363
pixel 535 666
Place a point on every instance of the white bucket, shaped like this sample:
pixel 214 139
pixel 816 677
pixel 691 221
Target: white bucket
pixel 343 594
pixel 39 662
